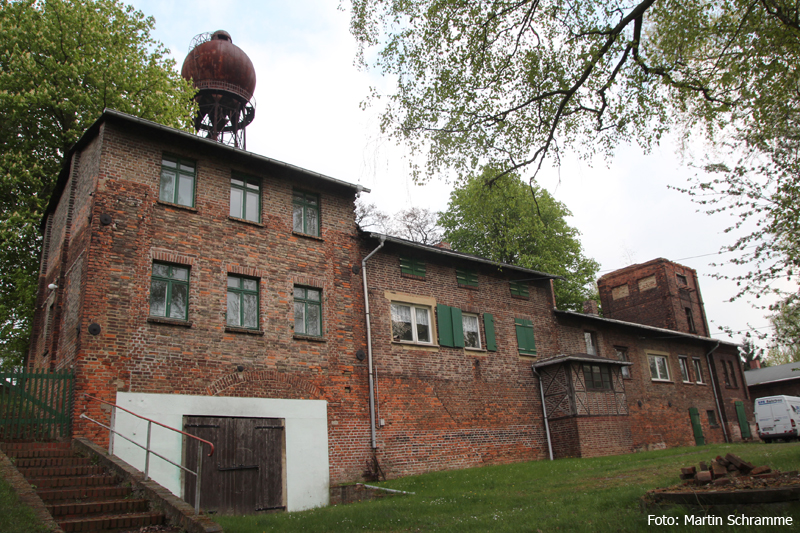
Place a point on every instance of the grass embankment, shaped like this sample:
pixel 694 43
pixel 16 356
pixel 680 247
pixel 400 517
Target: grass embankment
pixel 15 517
pixel 600 494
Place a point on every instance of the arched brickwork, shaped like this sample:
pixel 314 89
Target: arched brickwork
pixel 264 384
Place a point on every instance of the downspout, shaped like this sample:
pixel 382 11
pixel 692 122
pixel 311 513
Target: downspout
pixel 372 398
pixel 723 420
pixel 544 411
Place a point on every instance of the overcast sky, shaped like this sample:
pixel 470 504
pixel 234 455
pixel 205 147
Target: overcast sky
pixel 307 113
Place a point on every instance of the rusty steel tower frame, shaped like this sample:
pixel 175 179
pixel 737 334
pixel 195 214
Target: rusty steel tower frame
pixel 225 80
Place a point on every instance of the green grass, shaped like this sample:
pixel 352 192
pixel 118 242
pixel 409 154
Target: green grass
pixel 15 517
pixel 600 494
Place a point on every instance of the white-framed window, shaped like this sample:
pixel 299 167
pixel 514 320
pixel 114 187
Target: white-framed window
pixel 659 369
pixel 684 362
pixel 472 331
pixel 411 323
pixel 698 370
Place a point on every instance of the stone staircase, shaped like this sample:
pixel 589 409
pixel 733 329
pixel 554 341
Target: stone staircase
pixel 79 495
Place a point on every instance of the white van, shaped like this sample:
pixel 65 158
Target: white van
pixel 777 417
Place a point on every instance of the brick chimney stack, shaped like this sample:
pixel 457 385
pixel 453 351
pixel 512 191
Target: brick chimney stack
pixel 590 308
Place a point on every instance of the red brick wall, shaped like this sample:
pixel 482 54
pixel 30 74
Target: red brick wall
pixel 784 388
pixel 604 435
pixel 663 305
pixel 452 407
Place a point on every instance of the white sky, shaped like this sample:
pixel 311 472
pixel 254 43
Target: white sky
pixel 307 113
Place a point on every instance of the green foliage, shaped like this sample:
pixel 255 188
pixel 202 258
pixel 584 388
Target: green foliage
pixel 511 83
pixel 16 517
pixel 63 62
pixel 592 494
pixel 509 221
pixel 785 347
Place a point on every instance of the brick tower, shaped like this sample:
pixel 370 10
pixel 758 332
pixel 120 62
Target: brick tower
pixel 657 293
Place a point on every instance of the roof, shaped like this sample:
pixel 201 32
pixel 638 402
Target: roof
pixel 111 115
pixel 663 331
pixel 578 357
pixel 772 374
pixel 460 255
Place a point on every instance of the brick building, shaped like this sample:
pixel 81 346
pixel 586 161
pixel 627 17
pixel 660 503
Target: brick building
pixel 223 292
pixel 778 380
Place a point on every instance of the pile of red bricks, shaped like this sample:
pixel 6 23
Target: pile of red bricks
pixel 722 470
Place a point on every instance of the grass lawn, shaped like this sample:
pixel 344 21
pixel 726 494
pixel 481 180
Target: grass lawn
pixel 15 517
pixel 600 494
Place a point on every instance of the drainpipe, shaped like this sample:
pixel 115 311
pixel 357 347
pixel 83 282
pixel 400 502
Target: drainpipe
pixel 723 420
pixel 544 411
pixel 372 398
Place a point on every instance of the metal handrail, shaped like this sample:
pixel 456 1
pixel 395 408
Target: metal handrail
pixel 149 451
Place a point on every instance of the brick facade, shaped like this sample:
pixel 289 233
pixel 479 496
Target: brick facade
pixel 437 406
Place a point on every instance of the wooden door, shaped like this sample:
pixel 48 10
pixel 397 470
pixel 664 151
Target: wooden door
pixel 697 428
pixel 245 475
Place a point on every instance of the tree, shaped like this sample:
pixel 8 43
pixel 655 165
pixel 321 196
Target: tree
pixel 62 63
pixel 750 353
pixel 414 224
pixel 513 222
pixel 785 345
pixel 511 83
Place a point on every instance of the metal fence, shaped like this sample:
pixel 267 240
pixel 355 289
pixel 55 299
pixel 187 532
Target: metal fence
pixel 35 405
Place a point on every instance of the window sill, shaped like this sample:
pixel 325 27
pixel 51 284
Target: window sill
pixel 169 321
pixel 703 383
pixel 177 206
pixel 416 345
pixel 468 287
pixel 308 236
pixel 246 331
pixel 312 338
pixel 688 382
pixel 412 276
pixel 529 355
pixel 475 350
pixel 245 221
pixel 520 297
pixel 654 380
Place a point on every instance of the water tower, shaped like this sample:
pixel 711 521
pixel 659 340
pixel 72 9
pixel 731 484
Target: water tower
pixel 225 80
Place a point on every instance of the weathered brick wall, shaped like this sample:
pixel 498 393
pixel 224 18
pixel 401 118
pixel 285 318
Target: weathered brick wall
pixel 564 437
pixel 649 293
pixel 658 410
pixel 604 435
pixel 453 407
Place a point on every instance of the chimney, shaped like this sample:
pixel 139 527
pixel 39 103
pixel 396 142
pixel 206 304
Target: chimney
pixel 443 244
pixel 755 364
pixel 590 307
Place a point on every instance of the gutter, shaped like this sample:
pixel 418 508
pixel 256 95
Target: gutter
pixel 544 411
pixel 372 399
pixel 722 418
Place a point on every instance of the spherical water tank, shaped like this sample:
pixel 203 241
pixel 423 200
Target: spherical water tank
pixel 217 63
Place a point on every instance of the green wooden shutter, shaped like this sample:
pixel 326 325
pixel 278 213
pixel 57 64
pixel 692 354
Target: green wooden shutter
pixel 458 327
pixel 468 278
pixel 525 337
pixel 743 424
pixel 412 267
pixel 519 288
pixel 444 320
pixel 696 426
pixel 488 325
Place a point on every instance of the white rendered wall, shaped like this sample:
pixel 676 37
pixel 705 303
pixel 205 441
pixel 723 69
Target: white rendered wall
pixel 307 474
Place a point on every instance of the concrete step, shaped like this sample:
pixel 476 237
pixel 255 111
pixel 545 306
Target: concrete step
pixel 14 446
pixel 110 523
pixel 43 462
pixel 73 481
pixel 60 471
pixel 63 511
pixel 83 493
pixel 37 453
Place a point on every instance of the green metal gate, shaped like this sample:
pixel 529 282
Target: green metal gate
pixel 696 427
pixel 744 425
pixel 35 405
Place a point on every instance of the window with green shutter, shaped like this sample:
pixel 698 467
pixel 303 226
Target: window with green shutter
pixel 488 326
pixel 519 289
pixel 410 266
pixel 466 278
pixel 525 338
